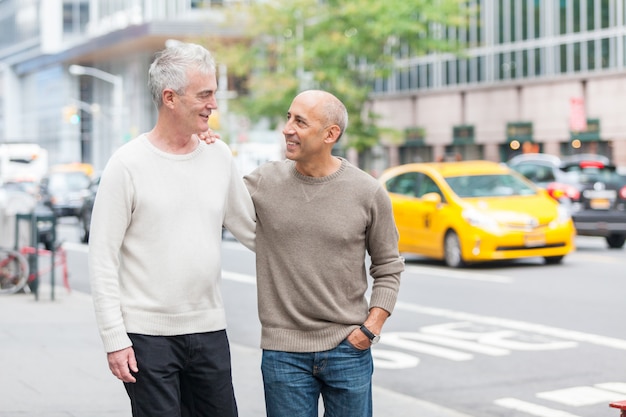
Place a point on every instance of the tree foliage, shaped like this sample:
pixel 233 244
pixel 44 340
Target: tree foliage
pixel 337 45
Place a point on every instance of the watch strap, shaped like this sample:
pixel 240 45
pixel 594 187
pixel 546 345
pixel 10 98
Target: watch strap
pixel 368 333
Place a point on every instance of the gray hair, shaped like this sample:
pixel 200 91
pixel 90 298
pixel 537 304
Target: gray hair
pixel 170 66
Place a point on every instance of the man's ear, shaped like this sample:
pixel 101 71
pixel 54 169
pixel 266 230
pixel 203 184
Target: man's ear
pixel 168 97
pixel 332 134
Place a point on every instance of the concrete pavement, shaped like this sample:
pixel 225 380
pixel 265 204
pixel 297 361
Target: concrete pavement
pixel 52 365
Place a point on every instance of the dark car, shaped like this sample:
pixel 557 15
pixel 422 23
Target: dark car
pixel 64 191
pixel 84 216
pixel 590 184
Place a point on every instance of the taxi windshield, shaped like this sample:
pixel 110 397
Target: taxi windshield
pixel 491 185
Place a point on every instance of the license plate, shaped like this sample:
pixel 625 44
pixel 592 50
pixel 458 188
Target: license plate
pixel 534 240
pixel 600 203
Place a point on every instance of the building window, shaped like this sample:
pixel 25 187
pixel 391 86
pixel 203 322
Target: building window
pixel 463 135
pixel 519 39
pixel 75 16
pixel 518 133
pixel 414 136
pixel 592 133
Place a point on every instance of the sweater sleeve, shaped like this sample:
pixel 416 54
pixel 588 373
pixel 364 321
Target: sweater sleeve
pixel 382 246
pixel 240 217
pixel 110 218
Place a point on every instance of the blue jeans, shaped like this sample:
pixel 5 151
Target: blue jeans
pixel 294 382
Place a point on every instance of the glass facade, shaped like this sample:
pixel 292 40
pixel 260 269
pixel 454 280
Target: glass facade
pixel 512 40
pixel 19 22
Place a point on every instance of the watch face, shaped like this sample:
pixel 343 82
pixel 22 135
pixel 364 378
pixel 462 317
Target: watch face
pixel 375 339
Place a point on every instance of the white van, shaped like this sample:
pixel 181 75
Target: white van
pixel 22 162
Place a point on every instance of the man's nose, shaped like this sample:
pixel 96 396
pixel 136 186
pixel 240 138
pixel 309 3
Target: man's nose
pixel 288 128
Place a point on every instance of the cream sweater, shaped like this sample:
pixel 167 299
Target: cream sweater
pixel 155 244
pixel 312 237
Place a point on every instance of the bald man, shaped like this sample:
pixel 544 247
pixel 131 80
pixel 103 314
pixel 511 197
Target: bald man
pixel 317 215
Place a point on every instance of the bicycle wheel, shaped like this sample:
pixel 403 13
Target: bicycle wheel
pixel 13 271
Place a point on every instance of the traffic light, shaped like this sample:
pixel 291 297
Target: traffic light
pixel 71 115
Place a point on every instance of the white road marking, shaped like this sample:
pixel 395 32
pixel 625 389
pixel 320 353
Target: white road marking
pixel 530 408
pixel 613 386
pixel 406 339
pixel 456 274
pixel 580 396
pixel 502 338
pixel 403 342
pixel 515 325
pixel 389 359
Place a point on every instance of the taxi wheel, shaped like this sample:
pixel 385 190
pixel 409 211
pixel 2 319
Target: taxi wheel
pixel 452 250
pixel 553 260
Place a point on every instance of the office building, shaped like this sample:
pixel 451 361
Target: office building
pixel 537 75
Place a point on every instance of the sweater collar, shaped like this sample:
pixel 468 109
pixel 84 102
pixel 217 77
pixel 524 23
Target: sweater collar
pixel 319 180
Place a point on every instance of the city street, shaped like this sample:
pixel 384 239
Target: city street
pixel 511 339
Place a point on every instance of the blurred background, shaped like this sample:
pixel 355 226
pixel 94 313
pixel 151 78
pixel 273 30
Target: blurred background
pixel 423 80
pixel 512 296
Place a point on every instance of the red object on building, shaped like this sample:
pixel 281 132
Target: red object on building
pixel 577 115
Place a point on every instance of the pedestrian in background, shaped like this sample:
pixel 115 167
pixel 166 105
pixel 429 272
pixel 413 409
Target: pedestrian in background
pixel 317 216
pixel 155 247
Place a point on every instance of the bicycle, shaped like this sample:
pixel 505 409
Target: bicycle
pixel 14 271
pixel 17 268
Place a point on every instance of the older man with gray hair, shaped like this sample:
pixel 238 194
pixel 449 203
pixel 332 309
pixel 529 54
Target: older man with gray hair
pixel 155 248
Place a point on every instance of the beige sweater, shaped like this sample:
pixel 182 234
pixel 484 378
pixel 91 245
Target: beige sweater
pixel 311 242
pixel 155 244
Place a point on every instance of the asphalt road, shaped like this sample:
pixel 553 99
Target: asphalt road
pixel 509 339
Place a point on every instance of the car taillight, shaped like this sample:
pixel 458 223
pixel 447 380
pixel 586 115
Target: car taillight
pixel 558 190
pixel 622 193
pixel 591 164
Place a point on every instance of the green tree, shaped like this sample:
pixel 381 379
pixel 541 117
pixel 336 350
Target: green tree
pixel 338 45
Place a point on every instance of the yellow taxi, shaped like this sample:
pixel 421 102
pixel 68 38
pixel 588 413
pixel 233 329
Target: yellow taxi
pixel 475 211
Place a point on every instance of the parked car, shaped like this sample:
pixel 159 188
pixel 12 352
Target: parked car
pixel 589 184
pixel 84 215
pixel 475 211
pixel 64 190
pixel 543 169
pixel 27 185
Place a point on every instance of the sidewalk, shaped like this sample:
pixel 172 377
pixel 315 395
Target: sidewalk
pixel 52 365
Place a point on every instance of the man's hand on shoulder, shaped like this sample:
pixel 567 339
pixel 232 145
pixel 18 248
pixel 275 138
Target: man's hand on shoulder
pixel 209 136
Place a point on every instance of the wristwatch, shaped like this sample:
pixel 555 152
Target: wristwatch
pixel 374 338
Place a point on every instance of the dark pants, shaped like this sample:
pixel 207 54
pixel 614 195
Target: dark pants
pixel 182 376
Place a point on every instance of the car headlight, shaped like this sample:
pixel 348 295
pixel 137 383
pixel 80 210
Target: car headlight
pixel 481 220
